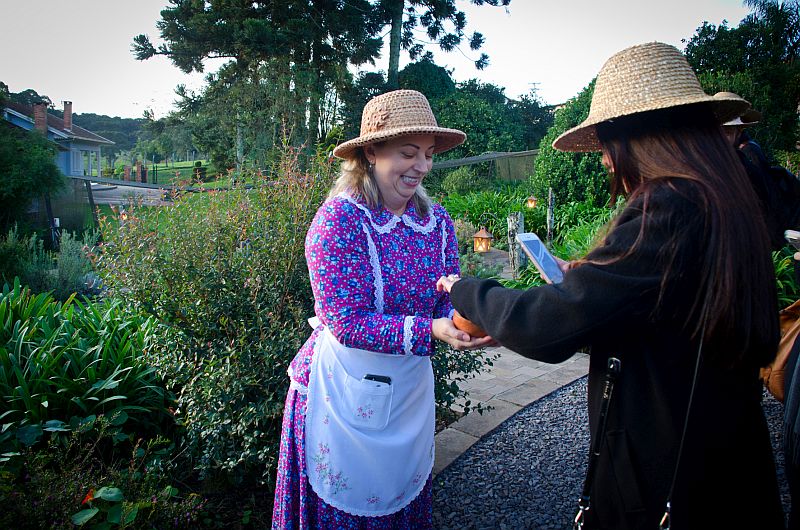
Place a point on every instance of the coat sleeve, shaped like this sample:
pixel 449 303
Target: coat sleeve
pixel 612 292
pixel 342 280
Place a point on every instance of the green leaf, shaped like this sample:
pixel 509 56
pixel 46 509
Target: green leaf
pixel 29 434
pixel 114 514
pixel 118 417
pixel 109 494
pixel 131 515
pixel 83 516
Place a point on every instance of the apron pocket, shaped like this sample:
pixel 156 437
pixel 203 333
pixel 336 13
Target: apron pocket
pixel 367 404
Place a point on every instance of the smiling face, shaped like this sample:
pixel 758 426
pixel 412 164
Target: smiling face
pixel 400 164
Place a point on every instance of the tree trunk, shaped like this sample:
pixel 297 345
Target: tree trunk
pixel 397 7
pixel 314 97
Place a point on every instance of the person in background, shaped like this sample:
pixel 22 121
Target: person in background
pixel 681 291
pixel 358 429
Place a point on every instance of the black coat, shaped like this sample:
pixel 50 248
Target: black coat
pixel 727 473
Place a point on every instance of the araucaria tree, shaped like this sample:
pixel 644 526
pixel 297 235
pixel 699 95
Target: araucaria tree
pixel 305 44
pixel 403 16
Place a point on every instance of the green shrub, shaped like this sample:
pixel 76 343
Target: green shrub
pixel 226 272
pixel 62 273
pixel 63 365
pixel 66 484
pixel 489 209
pixel 574 177
pixel 451 367
pixel 788 290
pixel 464 180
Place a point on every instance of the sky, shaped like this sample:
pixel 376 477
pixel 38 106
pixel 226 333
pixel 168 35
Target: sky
pixel 80 50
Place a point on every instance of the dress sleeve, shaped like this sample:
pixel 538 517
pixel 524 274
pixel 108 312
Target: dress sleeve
pixel 444 308
pixel 342 279
pixel 616 290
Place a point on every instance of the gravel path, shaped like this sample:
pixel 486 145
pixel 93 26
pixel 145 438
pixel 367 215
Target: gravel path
pixel 529 471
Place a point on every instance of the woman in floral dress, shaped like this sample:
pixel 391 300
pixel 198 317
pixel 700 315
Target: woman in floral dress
pixel 357 443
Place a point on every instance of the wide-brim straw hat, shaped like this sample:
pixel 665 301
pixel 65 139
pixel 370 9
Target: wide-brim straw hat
pixel 643 78
pixel 399 113
pixel 749 117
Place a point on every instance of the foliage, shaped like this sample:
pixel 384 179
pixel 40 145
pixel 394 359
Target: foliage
pixel 451 367
pixel 464 232
pixel 28 170
pixel 483 112
pixel 574 177
pixel 61 273
pixel 427 77
pixel 463 180
pixel 226 272
pixel 72 484
pixel 758 61
pixel 786 276
pixel 472 264
pixel 62 365
pixel 403 16
pixel 489 209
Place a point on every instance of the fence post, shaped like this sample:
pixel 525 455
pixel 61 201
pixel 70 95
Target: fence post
pixel 517 258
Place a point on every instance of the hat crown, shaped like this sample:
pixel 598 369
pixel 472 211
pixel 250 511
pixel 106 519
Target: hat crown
pixel 395 110
pixel 648 76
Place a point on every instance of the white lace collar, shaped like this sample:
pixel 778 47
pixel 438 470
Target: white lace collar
pixel 426 227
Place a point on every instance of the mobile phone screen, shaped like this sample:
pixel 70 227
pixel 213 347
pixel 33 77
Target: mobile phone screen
pixel 793 237
pixel 541 257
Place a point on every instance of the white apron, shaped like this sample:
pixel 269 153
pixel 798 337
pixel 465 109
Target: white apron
pixel 369 445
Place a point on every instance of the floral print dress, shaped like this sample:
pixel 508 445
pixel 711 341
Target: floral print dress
pixel 389 313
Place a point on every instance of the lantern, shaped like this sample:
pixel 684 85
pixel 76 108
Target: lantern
pixel 482 240
pixel 531 202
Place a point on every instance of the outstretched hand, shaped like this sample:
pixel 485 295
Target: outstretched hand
pixel 445 283
pixel 443 329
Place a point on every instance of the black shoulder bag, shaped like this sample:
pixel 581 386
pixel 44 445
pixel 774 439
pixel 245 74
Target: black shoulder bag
pixel 614 368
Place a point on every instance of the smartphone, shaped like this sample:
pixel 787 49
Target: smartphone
pixel 378 378
pixel 793 237
pixel 541 257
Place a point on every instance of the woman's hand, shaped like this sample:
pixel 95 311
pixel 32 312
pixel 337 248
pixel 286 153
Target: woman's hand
pixel 565 265
pixel 444 330
pixel 445 283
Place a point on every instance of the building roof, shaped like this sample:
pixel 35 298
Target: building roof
pixel 56 123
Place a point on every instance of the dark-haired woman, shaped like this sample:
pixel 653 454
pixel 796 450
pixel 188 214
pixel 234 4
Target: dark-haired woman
pixel 682 280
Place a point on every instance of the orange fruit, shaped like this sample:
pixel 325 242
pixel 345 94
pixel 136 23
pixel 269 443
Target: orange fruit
pixel 467 326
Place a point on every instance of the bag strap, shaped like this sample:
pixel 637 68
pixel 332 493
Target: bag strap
pixel 665 519
pixel 612 372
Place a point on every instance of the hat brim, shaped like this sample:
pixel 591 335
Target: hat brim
pixel 446 139
pixel 583 137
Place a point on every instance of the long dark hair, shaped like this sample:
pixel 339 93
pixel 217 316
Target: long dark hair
pixel 686 149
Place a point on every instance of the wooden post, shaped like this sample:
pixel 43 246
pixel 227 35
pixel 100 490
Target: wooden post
pixel 517 258
pixel 550 212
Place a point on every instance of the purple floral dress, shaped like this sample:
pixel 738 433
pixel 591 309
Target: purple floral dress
pixel 346 242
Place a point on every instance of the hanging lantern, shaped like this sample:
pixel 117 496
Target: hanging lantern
pixel 531 202
pixel 482 240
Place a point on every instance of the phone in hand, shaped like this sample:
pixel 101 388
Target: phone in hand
pixel 541 257
pixel 793 237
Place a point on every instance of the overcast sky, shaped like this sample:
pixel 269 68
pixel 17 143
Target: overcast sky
pixel 79 50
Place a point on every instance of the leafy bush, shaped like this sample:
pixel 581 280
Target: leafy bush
pixel 574 177
pixel 61 273
pixel 62 366
pixel 66 484
pixel 788 290
pixel 489 209
pixel 463 180
pixel 451 367
pixel 471 264
pixel 225 271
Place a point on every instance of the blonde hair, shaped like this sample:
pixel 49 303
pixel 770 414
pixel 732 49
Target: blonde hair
pixel 357 179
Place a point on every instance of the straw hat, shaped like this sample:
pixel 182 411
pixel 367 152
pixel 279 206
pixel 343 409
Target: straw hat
pixel 639 79
pixel 399 113
pixel 749 117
